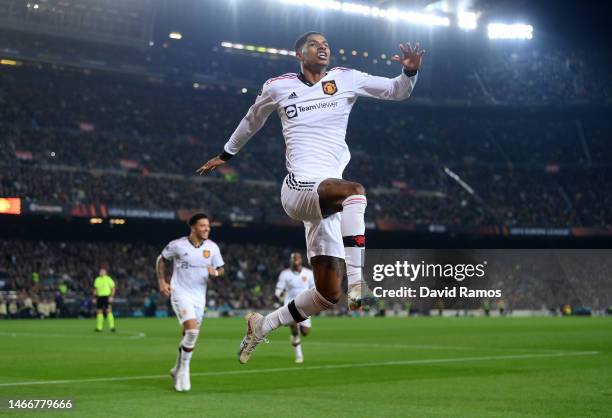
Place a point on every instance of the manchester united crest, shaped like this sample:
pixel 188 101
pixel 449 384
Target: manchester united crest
pixel 304 279
pixel 329 87
pixel 206 253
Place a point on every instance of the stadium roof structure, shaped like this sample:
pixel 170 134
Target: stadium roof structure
pixel 126 23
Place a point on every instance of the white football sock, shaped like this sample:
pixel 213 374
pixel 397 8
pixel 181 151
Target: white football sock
pixel 276 319
pixel 187 345
pixel 305 304
pixel 298 350
pixel 353 235
pixel 177 363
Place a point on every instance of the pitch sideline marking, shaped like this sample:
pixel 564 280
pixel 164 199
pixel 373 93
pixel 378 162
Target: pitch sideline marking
pixel 134 335
pixel 307 368
pixel 441 347
pixel 138 335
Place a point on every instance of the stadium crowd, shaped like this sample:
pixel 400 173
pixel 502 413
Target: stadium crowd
pixel 532 75
pixel 62 273
pixel 57 279
pixel 74 137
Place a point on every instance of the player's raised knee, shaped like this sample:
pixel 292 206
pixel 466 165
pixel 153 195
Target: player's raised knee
pixel 355 197
pixel 356 188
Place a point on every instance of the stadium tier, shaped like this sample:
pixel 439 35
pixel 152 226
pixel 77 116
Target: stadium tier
pixel 111 141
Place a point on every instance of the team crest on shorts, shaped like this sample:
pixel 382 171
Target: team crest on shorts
pixel 304 279
pixel 206 253
pixel 329 87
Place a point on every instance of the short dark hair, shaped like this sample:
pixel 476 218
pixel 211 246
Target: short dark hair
pixel 196 217
pixel 299 43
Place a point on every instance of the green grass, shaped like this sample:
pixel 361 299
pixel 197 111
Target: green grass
pixel 435 367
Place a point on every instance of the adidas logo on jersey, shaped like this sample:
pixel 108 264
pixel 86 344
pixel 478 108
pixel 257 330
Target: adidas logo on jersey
pixel 292 95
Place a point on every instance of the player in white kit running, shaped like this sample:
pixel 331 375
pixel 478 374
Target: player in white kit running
pixel 292 282
pixel 314 108
pixel 195 259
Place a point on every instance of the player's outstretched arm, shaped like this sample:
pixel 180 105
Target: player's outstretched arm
pixel 398 88
pixel 249 125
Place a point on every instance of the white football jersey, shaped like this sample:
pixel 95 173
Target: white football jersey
pixel 191 263
pixel 294 282
pixel 314 116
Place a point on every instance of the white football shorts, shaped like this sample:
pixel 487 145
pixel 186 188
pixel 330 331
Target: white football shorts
pixel 300 200
pixel 186 307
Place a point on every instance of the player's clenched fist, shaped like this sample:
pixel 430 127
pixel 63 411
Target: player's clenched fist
pixel 212 271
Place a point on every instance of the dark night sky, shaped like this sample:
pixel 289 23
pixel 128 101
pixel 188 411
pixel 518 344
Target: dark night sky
pixel 580 24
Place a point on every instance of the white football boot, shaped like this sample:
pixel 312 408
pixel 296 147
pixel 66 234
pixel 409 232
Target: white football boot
pixel 174 370
pixel 359 295
pixel 182 382
pixel 253 337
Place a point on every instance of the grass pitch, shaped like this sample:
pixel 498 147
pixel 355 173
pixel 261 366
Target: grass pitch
pixel 366 367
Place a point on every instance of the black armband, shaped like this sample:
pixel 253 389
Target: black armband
pixel 410 73
pixel 225 156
